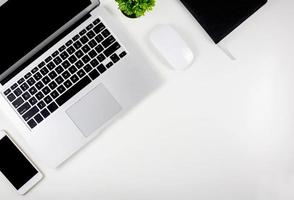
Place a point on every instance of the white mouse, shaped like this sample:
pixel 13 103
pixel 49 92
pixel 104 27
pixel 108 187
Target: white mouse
pixel 172 47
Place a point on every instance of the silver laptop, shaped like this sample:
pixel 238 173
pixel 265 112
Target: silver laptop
pixel 68 70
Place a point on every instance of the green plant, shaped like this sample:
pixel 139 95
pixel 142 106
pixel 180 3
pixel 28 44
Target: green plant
pixel 135 8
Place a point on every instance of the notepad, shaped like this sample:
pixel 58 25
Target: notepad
pixel 220 17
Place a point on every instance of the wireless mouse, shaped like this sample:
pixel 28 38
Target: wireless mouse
pixel 172 47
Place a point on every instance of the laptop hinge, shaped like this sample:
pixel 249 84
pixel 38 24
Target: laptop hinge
pixel 44 49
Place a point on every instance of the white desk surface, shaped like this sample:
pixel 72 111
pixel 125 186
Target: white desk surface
pixel 221 130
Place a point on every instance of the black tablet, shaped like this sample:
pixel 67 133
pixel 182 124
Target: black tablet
pixel 221 17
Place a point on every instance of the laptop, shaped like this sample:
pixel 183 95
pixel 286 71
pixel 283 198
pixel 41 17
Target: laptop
pixel 68 70
pixel 220 18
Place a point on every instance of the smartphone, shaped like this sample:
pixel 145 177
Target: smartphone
pixel 15 166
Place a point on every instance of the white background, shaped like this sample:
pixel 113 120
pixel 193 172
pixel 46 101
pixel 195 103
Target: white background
pixel 221 130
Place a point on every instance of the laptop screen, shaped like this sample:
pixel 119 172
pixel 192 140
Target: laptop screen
pixel 25 24
pixel 219 18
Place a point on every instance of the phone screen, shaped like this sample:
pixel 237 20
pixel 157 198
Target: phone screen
pixel 14 165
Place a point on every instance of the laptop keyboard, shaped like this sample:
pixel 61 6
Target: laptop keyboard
pixel 63 74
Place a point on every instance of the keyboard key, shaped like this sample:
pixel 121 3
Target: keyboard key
pixel 94 74
pixel 48 59
pixel 68 43
pixel 83 32
pixel 79 64
pixel 94 62
pixel 84 39
pixel 79 54
pixel 90 27
pixel 72 69
pixel 26 96
pixel 73 90
pixel 74 78
pixel 39 95
pixel 64 55
pixel 52 75
pixel 77 44
pixel 46 80
pixel 48 99
pixel 54 94
pixel 33 90
pixel 70 50
pixel 55 54
pixel 51 65
pixel 88 68
pixel 24 108
pixel 61 49
pixel 81 73
pixel 59 80
pixel 65 64
pixel 76 37
pixel 11 97
pixel 111 49
pixel 17 92
pixel 101 68
pixel 44 71
pixel 90 34
pixel 33 101
pixel 28 75
pixel 52 85
pixel 45 113
pixel 99 28
pixel 59 69
pixel 28 115
pixel 99 38
pixel 122 54
pixel 20 81
pixel 96 21
pixel 108 65
pixel 24 86
pixel 72 59
pixel 32 124
pixel 61 89
pixel 42 64
pixel 14 86
pixel 39 85
pixel 38 118
pixel 18 102
pixel 101 57
pixel 92 53
pixel 65 75
pixel 114 58
pixel 35 70
pixel 7 92
pixel 86 59
pixel 67 83
pixel 46 90
pixel 106 43
pixel 41 105
pixel 105 33
pixel 57 60
pixel 37 76
pixel 31 81
pixel 52 107
pixel 92 44
pixel 99 48
pixel 86 48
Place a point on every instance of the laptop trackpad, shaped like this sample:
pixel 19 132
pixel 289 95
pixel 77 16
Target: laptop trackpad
pixel 93 110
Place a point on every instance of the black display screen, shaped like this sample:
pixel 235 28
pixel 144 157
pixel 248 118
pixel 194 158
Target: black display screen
pixel 13 165
pixel 219 18
pixel 26 23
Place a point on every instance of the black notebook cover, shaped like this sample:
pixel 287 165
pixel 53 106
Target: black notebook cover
pixel 220 17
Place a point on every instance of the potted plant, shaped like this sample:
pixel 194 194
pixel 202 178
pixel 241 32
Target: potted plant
pixel 135 8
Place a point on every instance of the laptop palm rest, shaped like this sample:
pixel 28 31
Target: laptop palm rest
pixel 93 110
